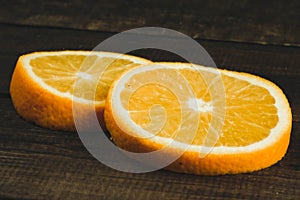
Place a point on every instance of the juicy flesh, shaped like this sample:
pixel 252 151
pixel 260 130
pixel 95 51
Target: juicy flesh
pixel 170 111
pixel 91 75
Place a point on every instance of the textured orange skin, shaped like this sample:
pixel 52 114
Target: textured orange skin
pixel 189 162
pixel 35 104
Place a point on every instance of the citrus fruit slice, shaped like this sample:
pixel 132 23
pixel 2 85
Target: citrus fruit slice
pixel 221 122
pixel 42 85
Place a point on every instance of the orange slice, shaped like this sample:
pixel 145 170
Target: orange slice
pixel 221 122
pixel 42 85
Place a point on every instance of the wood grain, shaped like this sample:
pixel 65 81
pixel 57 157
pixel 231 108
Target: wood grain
pixel 264 22
pixel 36 163
pixel 252 36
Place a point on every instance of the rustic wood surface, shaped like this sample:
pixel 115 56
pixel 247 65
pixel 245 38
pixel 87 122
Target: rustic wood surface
pixel 264 22
pixel 36 163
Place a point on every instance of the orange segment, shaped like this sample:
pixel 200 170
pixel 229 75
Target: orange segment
pixel 61 72
pixel 144 98
pixel 249 109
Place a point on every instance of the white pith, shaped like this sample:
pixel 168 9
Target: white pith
pixel 202 106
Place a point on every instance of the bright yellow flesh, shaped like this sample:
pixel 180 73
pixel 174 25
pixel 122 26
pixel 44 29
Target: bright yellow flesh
pixel 63 71
pixel 250 112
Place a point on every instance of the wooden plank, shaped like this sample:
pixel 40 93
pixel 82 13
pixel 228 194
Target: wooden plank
pixel 39 163
pixel 257 59
pixel 36 163
pixel 272 22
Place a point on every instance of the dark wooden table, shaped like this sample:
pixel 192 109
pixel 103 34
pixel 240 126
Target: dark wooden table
pixel 262 38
